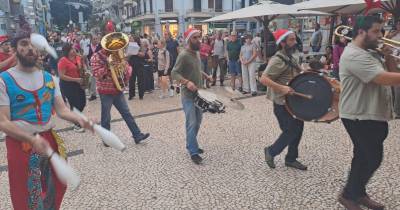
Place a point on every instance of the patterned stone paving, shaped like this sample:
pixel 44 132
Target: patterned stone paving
pixel 159 174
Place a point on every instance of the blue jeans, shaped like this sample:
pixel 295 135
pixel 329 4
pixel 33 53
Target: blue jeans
pixel 292 130
pixel 234 68
pixel 193 117
pixel 120 103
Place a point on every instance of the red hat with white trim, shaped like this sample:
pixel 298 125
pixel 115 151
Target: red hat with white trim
pixel 281 34
pixel 4 39
pixel 189 33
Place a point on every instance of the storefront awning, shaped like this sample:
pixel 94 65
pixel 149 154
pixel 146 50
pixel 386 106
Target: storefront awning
pixel 265 8
pixel 344 6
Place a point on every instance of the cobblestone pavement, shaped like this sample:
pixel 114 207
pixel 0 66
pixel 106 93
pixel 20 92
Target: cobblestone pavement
pixel 159 174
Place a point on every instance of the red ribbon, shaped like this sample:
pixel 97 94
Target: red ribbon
pixel 371 4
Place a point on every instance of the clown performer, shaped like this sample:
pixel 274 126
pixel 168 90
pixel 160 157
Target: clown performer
pixel 28 96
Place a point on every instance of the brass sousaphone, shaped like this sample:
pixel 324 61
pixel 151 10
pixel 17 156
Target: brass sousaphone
pixel 116 43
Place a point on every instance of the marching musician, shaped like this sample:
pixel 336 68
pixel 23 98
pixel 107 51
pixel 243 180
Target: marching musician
pixel 7 57
pixel 365 107
pixel 282 67
pixel 187 71
pixel 27 97
pixel 71 81
pixel 110 95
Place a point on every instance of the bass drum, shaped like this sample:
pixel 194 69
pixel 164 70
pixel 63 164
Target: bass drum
pixel 323 106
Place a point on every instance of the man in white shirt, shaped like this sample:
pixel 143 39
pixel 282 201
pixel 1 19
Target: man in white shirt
pixel 85 44
pixel 219 59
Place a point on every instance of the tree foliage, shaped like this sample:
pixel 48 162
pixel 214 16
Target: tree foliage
pixel 60 12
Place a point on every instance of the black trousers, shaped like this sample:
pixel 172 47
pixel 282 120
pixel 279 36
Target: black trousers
pixel 137 73
pixel 292 131
pixel 367 137
pixel 74 94
pixel 148 78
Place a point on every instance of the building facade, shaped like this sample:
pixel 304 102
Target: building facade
pixel 156 16
pixel 36 13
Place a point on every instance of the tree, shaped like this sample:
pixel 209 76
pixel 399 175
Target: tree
pixel 60 11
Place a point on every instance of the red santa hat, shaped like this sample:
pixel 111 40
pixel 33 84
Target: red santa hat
pixel 3 39
pixel 281 34
pixel 109 28
pixel 189 33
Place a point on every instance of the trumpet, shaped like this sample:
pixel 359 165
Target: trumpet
pixel 345 32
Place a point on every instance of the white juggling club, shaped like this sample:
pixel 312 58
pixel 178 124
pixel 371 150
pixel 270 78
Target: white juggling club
pixel 41 43
pixel 107 136
pixel 65 173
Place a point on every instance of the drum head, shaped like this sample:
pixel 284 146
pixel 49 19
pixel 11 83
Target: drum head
pixel 207 95
pixel 310 109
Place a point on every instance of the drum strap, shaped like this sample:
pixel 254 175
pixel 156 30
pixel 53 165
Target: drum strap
pixel 290 63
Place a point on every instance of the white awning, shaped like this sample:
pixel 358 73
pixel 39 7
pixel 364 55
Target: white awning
pixel 342 6
pixel 265 8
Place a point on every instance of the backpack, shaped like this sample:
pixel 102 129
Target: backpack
pixel 171 64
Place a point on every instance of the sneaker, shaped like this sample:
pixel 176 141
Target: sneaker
pixel 131 97
pixel 141 137
pixel 268 158
pixel 79 129
pixel 240 89
pixel 200 151
pixel 92 98
pixel 197 159
pixel 369 203
pixel 296 164
pixel 105 145
pixel 171 92
pixel 254 94
pixel 161 96
pixel 348 204
pixel 2 135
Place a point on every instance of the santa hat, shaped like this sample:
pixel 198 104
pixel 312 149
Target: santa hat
pixel 109 28
pixel 4 39
pixel 281 34
pixel 189 33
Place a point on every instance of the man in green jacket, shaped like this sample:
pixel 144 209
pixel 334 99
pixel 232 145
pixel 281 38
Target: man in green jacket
pixel 187 71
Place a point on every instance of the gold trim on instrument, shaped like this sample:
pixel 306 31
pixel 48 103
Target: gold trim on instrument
pixel 343 31
pixel 116 43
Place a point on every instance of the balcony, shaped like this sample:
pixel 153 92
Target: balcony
pixel 168 13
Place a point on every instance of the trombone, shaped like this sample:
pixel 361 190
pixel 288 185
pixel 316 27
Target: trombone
pixel 345 31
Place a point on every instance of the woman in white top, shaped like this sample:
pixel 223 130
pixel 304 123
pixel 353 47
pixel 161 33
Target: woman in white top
pixel 248 54
pixel 163 64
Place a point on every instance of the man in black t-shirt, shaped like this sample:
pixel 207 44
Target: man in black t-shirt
pixel 172 47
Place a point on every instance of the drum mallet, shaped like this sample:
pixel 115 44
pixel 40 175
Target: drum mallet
pixel 302 95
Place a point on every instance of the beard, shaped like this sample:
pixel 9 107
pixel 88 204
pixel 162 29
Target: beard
pixel 27 61
pixel 371 44
pixel 194 46
pixel 290 50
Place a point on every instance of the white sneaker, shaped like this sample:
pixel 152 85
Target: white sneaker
pixel 79 129
pixel 2 135
pixel 161 96
pixel 171 92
